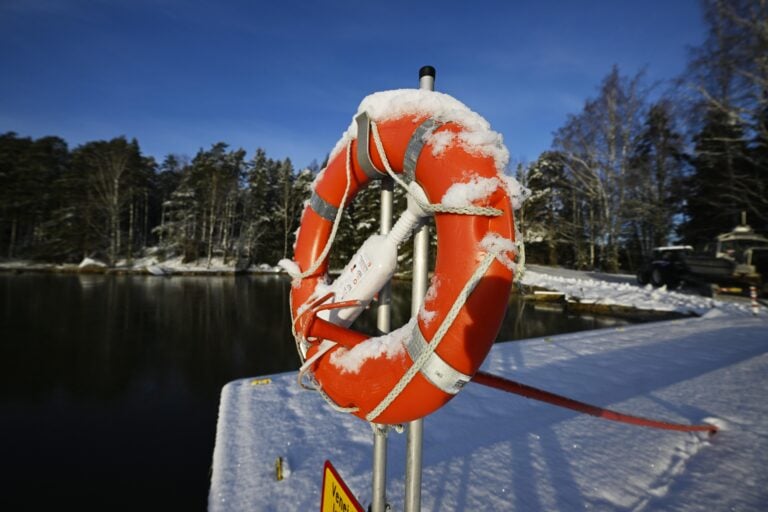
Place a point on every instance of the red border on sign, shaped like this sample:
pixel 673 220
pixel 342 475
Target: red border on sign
pixel 349 493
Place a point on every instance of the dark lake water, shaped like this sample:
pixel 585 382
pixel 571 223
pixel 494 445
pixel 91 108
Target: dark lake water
pixel 109 385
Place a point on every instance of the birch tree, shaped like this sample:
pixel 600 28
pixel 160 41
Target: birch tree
pixel 596 145
pixel 107 166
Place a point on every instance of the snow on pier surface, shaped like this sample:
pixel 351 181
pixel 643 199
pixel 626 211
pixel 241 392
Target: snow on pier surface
pixel 488 450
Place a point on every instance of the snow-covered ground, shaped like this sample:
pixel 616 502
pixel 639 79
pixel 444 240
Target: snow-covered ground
pixel 622 290
pixel 487 450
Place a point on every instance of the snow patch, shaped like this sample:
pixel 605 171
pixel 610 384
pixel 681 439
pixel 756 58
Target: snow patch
pixel 464 194
pixel 390 345
pixel 427 316
pixel 721 424
pixel 440 142
pixel 518 194
pixel 290 267
pixel 91 263
pixel 434 285
pixel 494 242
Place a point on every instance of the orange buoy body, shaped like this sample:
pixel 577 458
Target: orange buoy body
pixel 460 249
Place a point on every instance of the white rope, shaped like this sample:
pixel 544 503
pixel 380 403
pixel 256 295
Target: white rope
pixel 428 207
pixel 461 299
pixel 313 268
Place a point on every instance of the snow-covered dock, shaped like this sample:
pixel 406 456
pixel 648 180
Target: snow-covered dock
pixel 487 450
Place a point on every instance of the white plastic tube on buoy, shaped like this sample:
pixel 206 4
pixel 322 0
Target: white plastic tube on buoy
pixel 373 265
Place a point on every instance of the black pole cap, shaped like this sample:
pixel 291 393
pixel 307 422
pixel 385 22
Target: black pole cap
pixel 427 71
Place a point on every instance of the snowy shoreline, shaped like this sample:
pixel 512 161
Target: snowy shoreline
pixel 581 292
pixel 141 266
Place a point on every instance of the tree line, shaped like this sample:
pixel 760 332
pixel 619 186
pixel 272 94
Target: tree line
pixel 634 169
pixel 626 174
pixel 104 199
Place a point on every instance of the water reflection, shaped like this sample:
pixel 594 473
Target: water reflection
pixel 96 336
pixel 526 320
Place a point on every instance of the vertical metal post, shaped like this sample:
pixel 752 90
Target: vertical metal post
pixel 384 311
pixel 379 482
pixel 383 323
pixel 420 283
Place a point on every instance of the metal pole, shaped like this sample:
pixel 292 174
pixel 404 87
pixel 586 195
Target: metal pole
pixel 383 323
pixel 384 311
pixel 379 482
pixel 420 282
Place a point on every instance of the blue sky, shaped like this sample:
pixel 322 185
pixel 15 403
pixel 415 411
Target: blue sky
pixel 287 76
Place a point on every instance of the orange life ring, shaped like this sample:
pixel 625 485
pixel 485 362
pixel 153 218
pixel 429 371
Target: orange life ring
pixel 460 248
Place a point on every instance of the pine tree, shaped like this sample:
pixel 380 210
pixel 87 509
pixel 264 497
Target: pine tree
pixel 715 190
pixel 655 193
pixel 28 170
pixel 258 204
pixel 542 218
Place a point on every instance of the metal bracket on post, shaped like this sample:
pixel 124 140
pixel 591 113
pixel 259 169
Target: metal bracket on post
pixel 419 289
pixel 364 156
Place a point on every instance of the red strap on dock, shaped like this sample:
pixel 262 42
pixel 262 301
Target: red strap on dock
pixel 510 386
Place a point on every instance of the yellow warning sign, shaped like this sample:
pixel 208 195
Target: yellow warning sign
pixel 336 495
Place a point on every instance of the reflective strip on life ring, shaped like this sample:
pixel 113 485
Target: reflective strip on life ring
pixel 409 149
pixel 415 145
pixel 323 208
pixel 441 374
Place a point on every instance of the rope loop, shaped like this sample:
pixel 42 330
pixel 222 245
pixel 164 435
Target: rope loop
pixel 426 206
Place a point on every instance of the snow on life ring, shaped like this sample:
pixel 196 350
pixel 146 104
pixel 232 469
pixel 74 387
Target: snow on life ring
pixel 450 152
